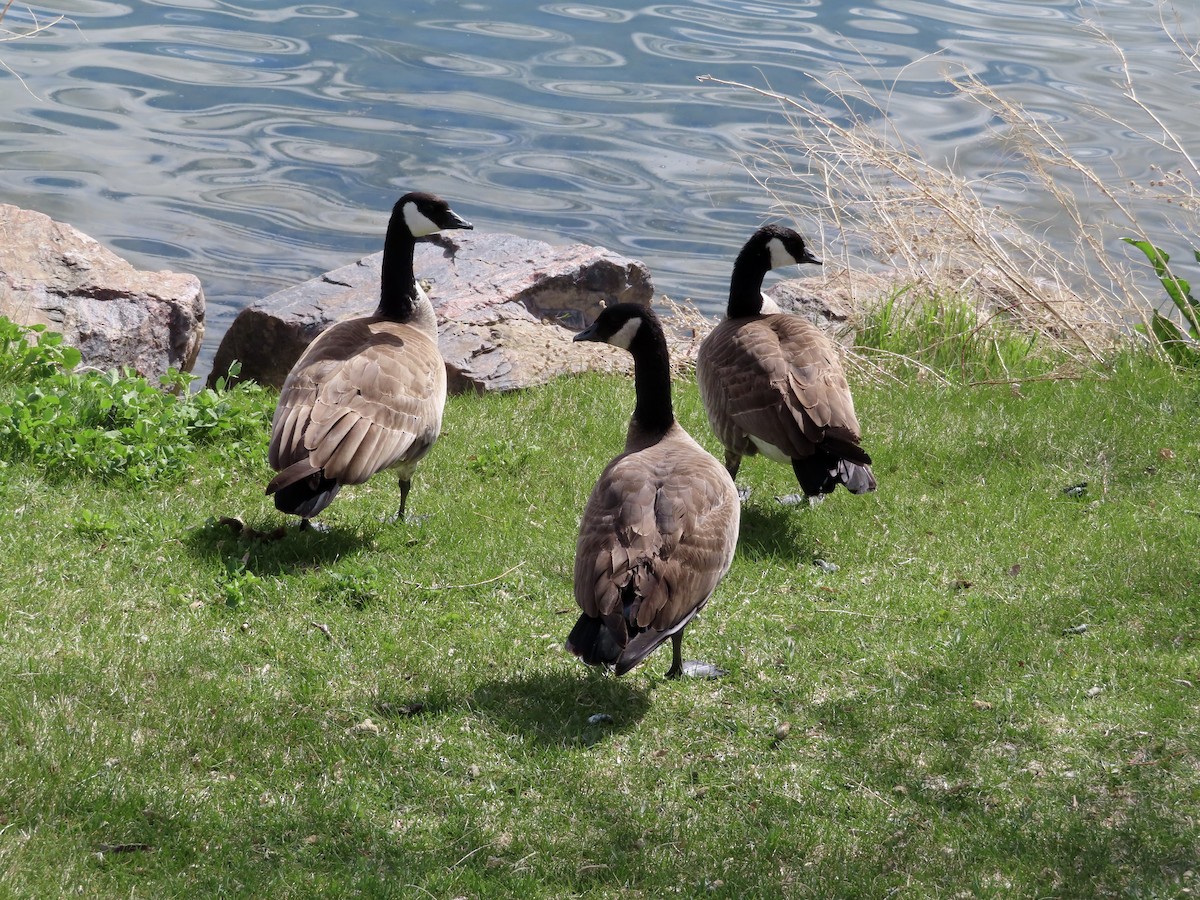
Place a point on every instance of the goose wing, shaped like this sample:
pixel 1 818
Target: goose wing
pixel 367 394
pixel 779 379
pixel 657 535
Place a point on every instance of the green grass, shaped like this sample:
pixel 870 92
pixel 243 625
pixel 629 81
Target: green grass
pixel 174 723
pixel 913 332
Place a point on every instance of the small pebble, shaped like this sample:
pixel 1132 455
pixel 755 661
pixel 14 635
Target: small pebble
pixel 600 719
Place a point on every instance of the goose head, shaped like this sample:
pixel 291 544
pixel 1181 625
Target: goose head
pixel 775 246
pixel 771 247
pixel 415 215
pixel 424 214
pixel 637 329
pixel 621 325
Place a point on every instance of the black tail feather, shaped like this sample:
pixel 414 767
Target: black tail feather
pixel 608 642
pixel 593 642
pixel 306 497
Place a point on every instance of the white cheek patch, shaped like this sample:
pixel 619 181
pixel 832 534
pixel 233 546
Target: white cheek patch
pixel 769 306
pixel 779 254
pixel 419 224
pixel 623 336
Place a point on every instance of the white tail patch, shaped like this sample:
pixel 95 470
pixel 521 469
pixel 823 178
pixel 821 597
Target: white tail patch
pixel 419 224
pixel 623 336
pixel 779 254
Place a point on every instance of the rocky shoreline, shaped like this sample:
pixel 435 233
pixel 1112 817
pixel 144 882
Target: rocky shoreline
pixel 507 306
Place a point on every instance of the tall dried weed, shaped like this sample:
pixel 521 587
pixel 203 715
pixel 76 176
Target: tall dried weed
pixel 1079 289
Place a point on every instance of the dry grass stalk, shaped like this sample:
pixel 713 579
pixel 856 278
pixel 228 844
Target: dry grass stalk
pixel 928 222
pixel 880 194
pixel 7 35
pixel 686 327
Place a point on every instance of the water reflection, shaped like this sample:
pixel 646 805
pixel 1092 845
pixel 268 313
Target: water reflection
pixel 260 146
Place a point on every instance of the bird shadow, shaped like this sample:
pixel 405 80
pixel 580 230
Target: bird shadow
pixel 770 529
pixel 275 551
pixel 561 709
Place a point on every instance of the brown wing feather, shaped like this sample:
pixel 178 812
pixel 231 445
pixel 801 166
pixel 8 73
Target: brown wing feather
pixel 662 520
pixel 779 378
pixel 366 395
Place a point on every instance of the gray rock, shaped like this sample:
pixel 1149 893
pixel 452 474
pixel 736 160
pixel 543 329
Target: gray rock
pixel 507 309
pixel 53 275
pixel 830 300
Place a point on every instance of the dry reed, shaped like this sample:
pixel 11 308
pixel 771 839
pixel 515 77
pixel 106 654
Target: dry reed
pixel 1077 289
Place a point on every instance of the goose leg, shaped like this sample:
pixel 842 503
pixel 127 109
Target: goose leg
pixel 733 462
pixel 310 525
pixel 676 655
pixel 692 668
pixel 405 487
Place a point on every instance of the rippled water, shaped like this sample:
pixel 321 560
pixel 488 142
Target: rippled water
pixel 257 145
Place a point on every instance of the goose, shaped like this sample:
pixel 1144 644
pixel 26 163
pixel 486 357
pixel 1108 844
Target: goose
pixel 772 383
pixel 368 393
pixel 661 524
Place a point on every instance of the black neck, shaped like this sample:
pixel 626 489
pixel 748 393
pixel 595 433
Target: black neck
pixel 745 287
pixel 398 289
pixel 653 413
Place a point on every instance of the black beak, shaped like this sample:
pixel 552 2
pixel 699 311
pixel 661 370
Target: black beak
pixel 588 334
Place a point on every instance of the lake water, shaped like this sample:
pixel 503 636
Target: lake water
pixel 257 145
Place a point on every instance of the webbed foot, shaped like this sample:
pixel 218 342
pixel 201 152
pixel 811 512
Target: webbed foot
pixel 694 668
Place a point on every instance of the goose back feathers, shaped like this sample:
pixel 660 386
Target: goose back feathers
pixel 660 527
pixel 773 383
pixel 367 394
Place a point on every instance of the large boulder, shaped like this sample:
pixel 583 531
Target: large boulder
pixel 507 308
pixel 53 275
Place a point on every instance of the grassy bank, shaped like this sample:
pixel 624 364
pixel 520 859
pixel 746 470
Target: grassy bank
pixel 190 711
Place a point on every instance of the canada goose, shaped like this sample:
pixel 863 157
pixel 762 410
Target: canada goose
pixel 773 384
pixel 660 527
pixel 368 393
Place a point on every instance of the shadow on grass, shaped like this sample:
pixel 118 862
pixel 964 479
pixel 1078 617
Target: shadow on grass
pixel 562 708
pixel 771 529
pixel 277 551
pixel 1097 830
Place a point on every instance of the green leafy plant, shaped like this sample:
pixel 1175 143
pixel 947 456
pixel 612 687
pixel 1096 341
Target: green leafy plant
pixel 238 584
pixel 115 423
pixel 92 524
pixel 30 352
pixel 500 458
pixel 1182 346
